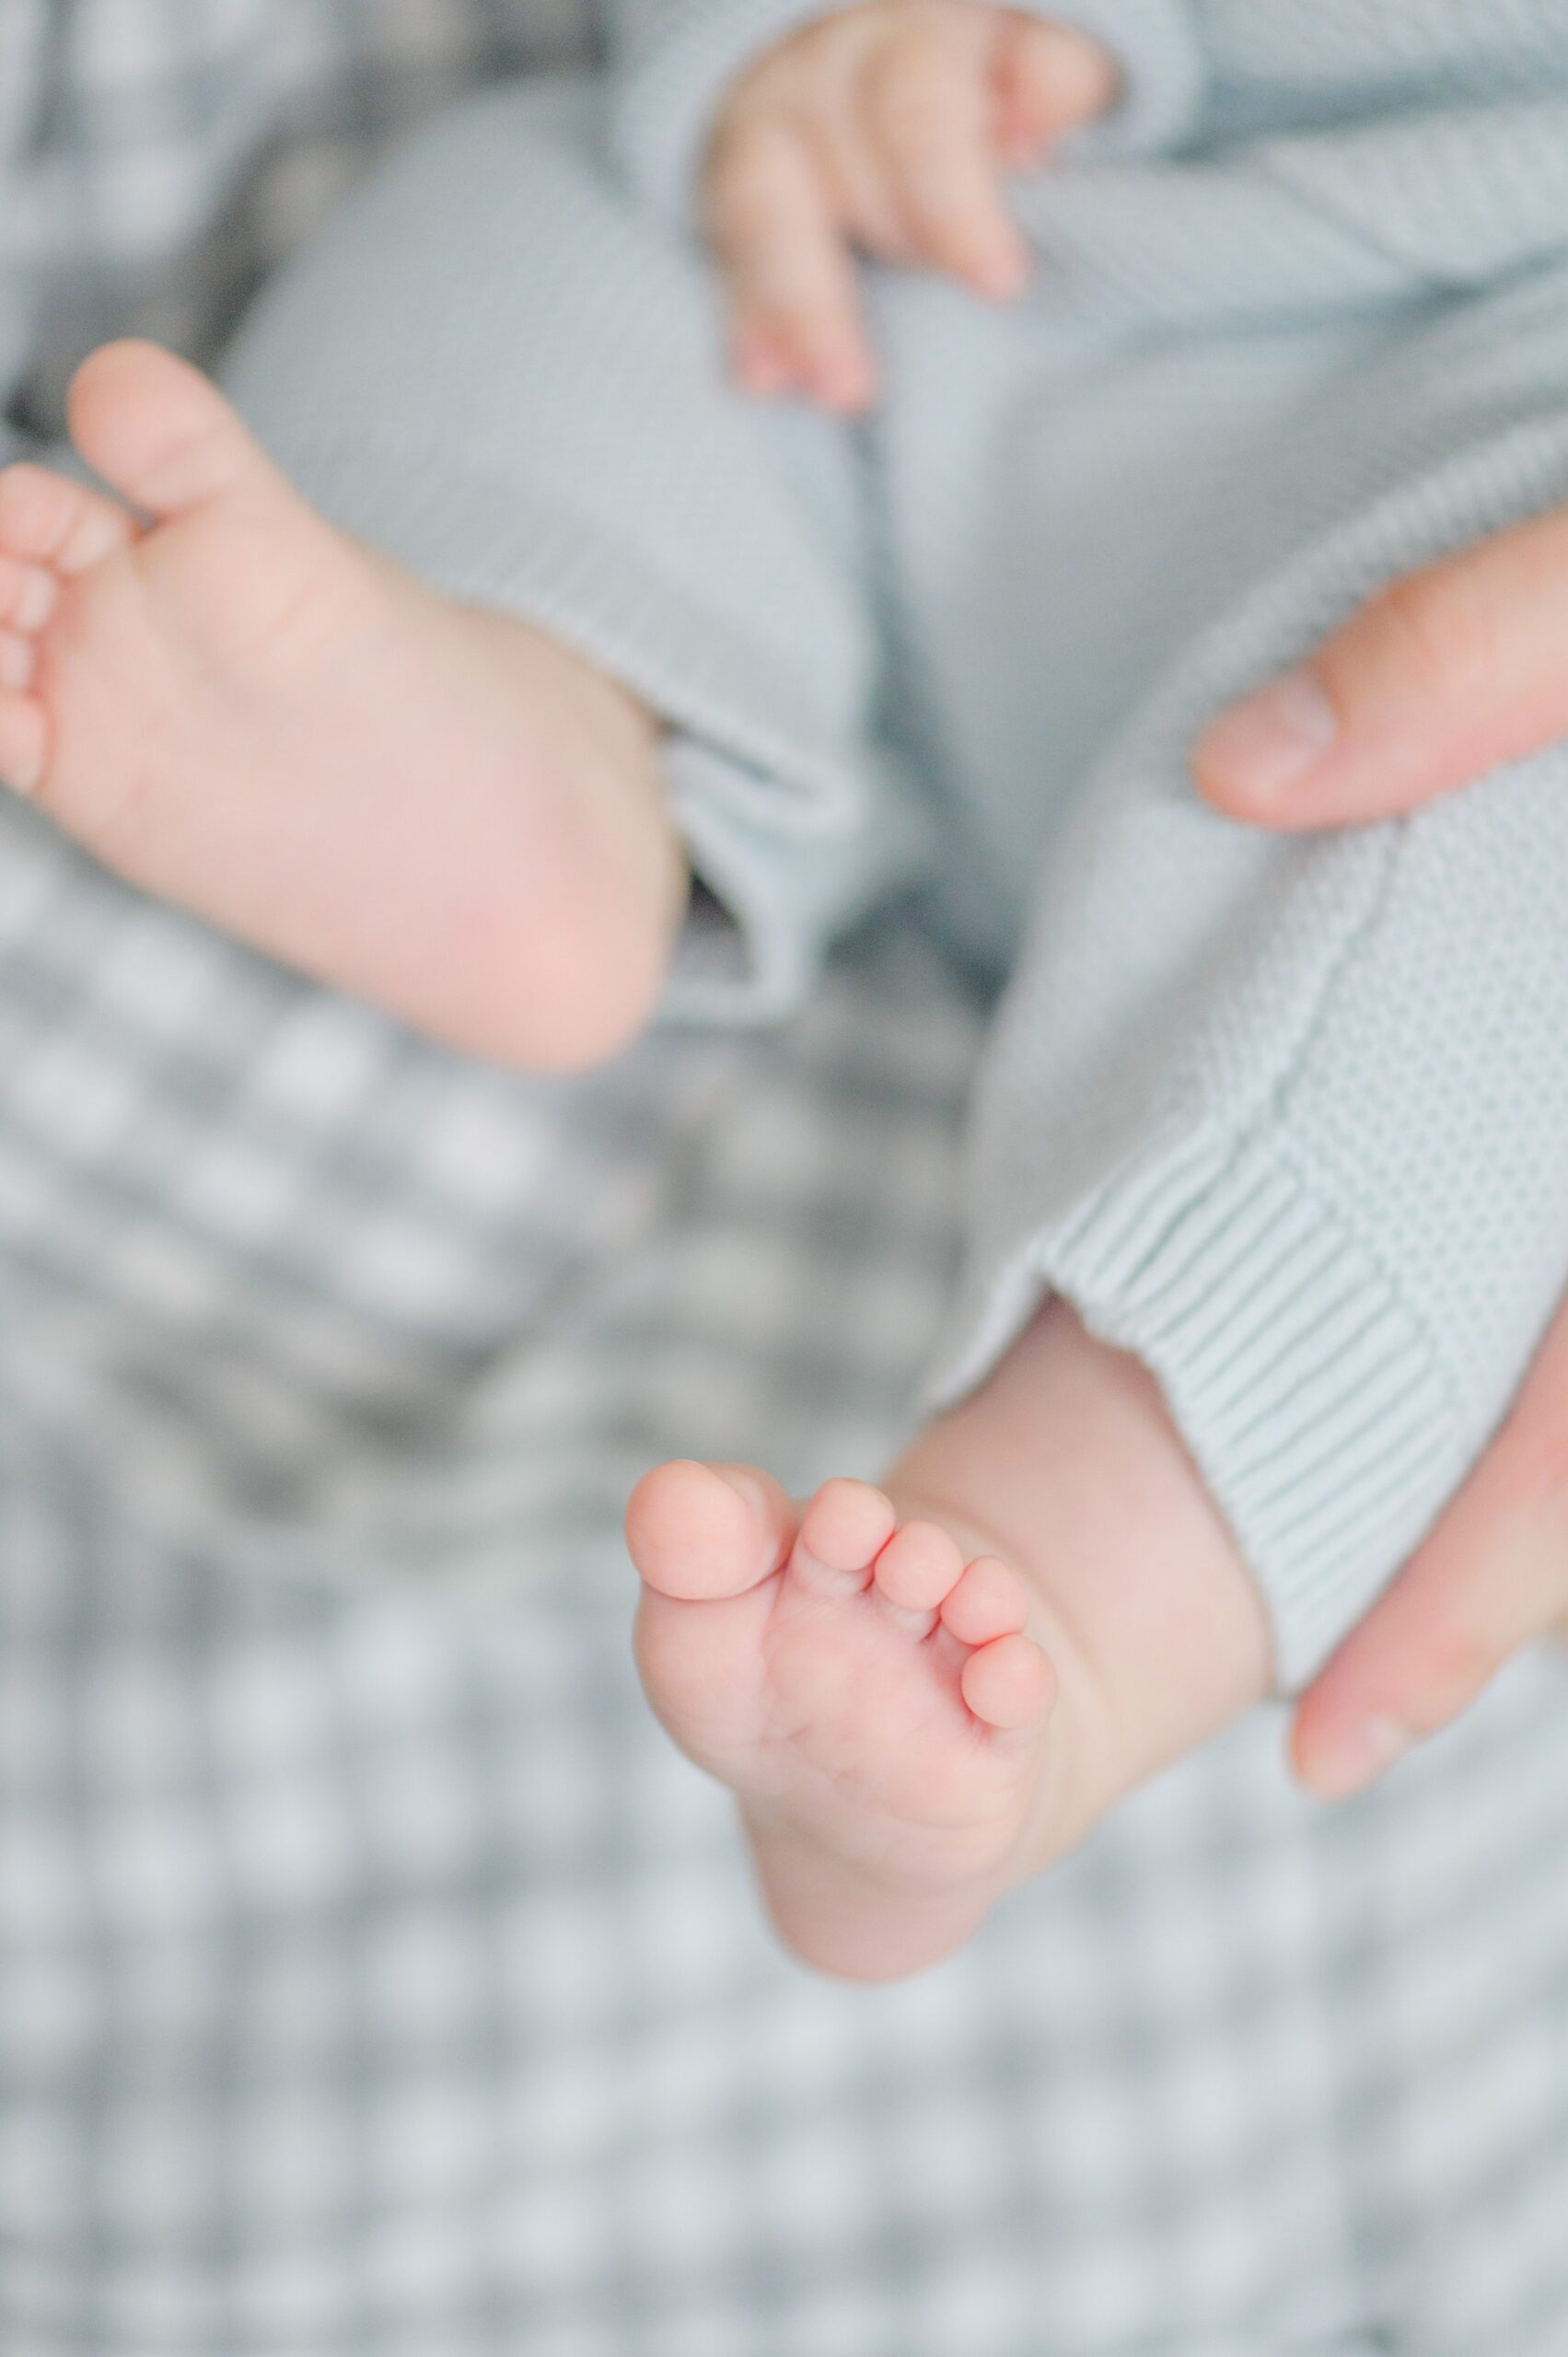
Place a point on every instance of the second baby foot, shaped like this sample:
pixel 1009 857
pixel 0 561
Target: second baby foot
pixel 873 1699
pixel 240 710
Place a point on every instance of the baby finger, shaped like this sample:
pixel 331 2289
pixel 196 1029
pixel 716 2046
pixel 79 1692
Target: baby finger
pixel 1046 80
pixel 931 127
pixel 794 305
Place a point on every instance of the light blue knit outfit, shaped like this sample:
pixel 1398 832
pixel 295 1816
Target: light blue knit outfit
pixel 1288 1119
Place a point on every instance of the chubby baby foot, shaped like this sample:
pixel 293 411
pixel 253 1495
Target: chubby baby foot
pixel 872 1696
pixel 239 709
pixel 914 1718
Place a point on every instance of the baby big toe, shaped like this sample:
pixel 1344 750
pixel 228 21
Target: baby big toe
pixel 159 431
pixel 696 1532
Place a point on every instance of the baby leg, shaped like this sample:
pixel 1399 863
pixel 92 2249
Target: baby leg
pixel 1273 1117
pixel 922 1694
pixel 407 736
pixel 242 710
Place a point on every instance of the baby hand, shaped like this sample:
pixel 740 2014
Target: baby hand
pixel 886 127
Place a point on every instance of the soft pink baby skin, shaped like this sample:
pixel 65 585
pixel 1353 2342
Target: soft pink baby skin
pixel 923 1694
pixel 442 809
pixel 886 130
pixel 920 1695
pixel 238 709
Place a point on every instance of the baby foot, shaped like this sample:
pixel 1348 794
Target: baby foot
pixel 912 1725
pixel 872 1698
pixel 242 710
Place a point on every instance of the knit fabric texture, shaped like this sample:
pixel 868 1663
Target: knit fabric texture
pixel 376 1980
pixel 1286 1118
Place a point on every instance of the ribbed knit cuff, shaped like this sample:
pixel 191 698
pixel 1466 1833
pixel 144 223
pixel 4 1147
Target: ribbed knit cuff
pixel 1310 1397
pixel 779 899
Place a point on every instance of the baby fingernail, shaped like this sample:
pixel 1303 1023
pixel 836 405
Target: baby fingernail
pixel 1269 741
pixel 1356 1757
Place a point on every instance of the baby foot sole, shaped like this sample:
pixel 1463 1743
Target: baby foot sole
pixel 239 709
pixel 873 1698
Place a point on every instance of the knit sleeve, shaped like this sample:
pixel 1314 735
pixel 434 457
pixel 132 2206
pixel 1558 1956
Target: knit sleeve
pixel 671 64
pixel 1288 1118
pixel 1327 1199
pixel 536 421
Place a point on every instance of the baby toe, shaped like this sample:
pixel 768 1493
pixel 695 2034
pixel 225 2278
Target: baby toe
pixel 27 595
pixel 700 1531
pixel 918 1566
pixel 158 430
pixel 989 1601
pixel 843 1531
pixel 16 659
pixel 1009 1683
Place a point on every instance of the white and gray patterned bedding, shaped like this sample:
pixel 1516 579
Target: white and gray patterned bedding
pixel 374 1982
